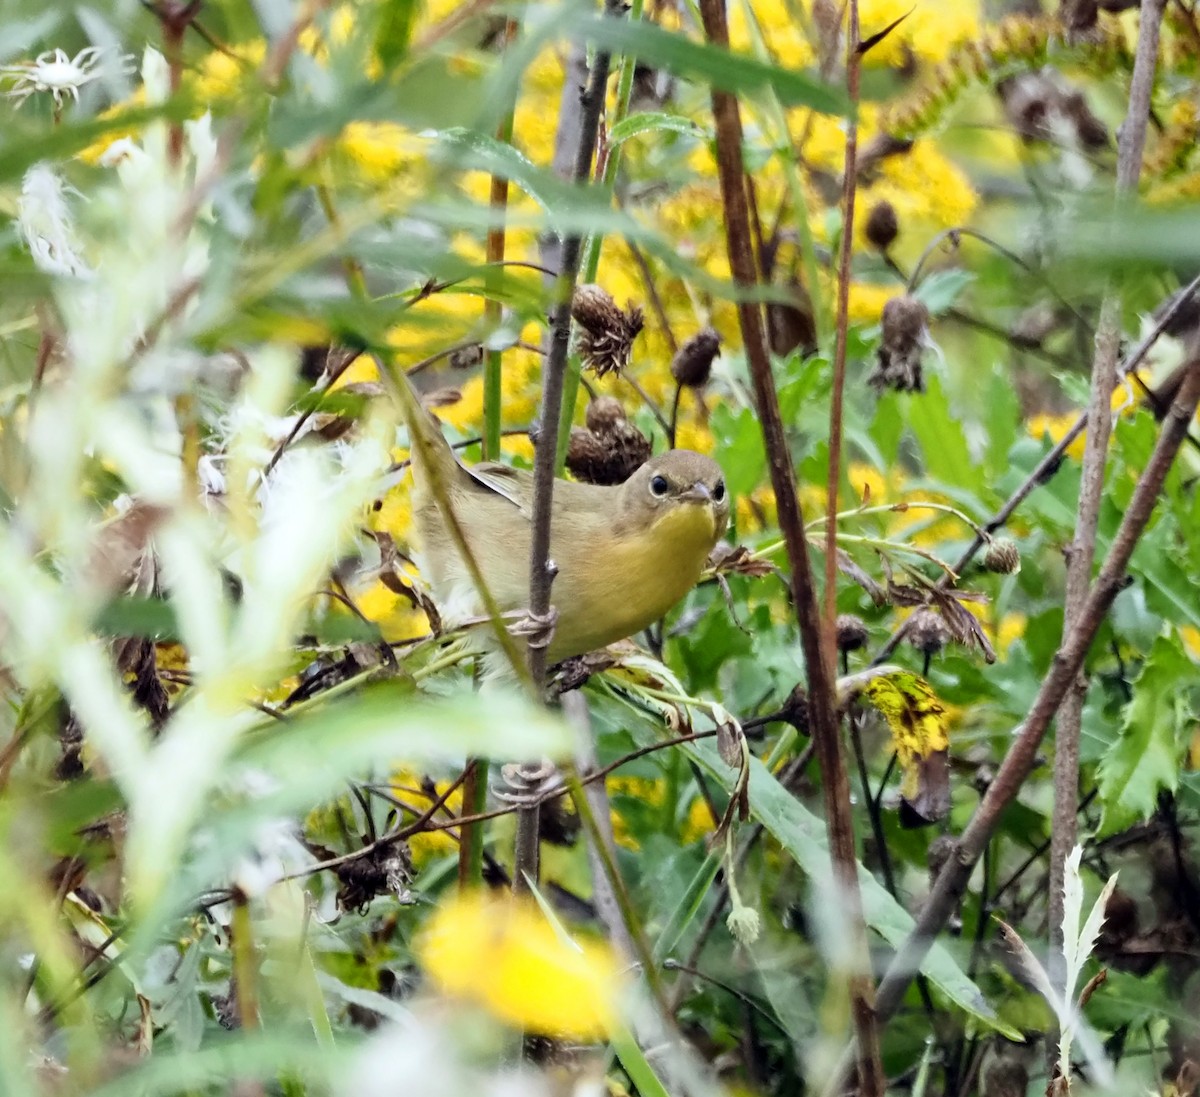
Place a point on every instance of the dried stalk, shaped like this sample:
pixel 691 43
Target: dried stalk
pixel 819 662
pixel 1064 828
pixel 849 190
pixel 540 572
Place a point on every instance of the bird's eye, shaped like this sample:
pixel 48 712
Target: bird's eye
pixel 659 486
pixel 719 491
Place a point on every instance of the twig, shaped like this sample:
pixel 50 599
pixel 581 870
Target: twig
pixel 1063 830
pixel 818 651
pixel 541 573
pixel 1020 759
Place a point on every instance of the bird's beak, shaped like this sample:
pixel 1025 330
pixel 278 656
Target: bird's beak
pixel 697 493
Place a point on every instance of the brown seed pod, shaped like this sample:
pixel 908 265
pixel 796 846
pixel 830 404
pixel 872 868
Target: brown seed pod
pixel 692 363
pixel 851 632
pixel 1002 556
pixel 882 227
pixel 604 334
pixel 927 632
pixel 607 457
pixel 905 336
pixel 604 413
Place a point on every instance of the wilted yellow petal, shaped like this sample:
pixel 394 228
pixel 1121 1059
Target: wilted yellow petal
pixel 917 720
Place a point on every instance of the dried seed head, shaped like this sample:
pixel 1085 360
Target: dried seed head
pixel 882 227
pixel 792 325
pixel 927 632
pixel 743 924
pixel 693 361
pixel 905 335
pixel 604 336
pixel 851 632
pixel 1002 557
pixel 604 413
pixel 607 457
pixel 467 357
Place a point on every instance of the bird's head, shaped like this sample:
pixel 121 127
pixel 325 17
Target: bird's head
pixel 679 495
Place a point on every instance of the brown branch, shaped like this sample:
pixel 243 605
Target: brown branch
pixel 818 661
pixel 1064 828
pixel 1019 761
pixel 541 572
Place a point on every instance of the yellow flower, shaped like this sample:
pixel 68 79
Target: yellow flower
pixel 1010 628
pixel 1056 426
pixel 930 31
pixel 645 790
pixel 395 615
pixel 1190 635
pixel 505 955
pixel 866 302
pixel 699 822
pixel 870 484
pixel 428 844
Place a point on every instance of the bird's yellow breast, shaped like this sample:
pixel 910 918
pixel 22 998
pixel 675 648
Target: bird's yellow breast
pixel 630 578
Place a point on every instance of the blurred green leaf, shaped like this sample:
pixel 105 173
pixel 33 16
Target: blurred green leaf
pixel 653 122
pixel 728 71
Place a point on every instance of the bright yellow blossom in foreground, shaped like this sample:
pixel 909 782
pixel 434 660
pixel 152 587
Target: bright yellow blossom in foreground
pixel 504 954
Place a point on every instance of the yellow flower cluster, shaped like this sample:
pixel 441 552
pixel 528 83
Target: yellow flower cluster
pixel 505 955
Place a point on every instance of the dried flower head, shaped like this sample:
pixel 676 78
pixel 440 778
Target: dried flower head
pixel 604 334
pixel 851 632
pixel 692 363
pixel 905 336
pixel 927 632
pixel 792 325
pixel 1044 106
pixel 744 925
pixel 604 413
pixel 882 226
pixel 1002 556
pixel 611 449
pixel 467 357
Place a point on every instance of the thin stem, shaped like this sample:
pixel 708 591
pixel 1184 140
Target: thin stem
pixel 1064 831
pixel 819 662
pixel 611 164
pixel 841 331
pixel 541 574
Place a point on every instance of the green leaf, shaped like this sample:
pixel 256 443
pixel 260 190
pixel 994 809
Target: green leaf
pixel 1145 759
pixel 722 69
pixel 653 121
pixel 803 837
pixel 640 1072
pixel 1170 590
pixel 942 288
pixel 395 30
pixel 941 438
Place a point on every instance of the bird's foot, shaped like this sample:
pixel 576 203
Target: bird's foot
pixel 536 629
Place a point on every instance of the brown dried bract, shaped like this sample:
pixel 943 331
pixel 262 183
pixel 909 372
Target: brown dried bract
pixel 604 334
pixel 905 336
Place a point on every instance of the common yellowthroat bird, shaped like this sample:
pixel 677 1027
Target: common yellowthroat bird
pixel 625 554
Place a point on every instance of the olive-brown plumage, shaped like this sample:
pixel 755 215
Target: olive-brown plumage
pixel 625 554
